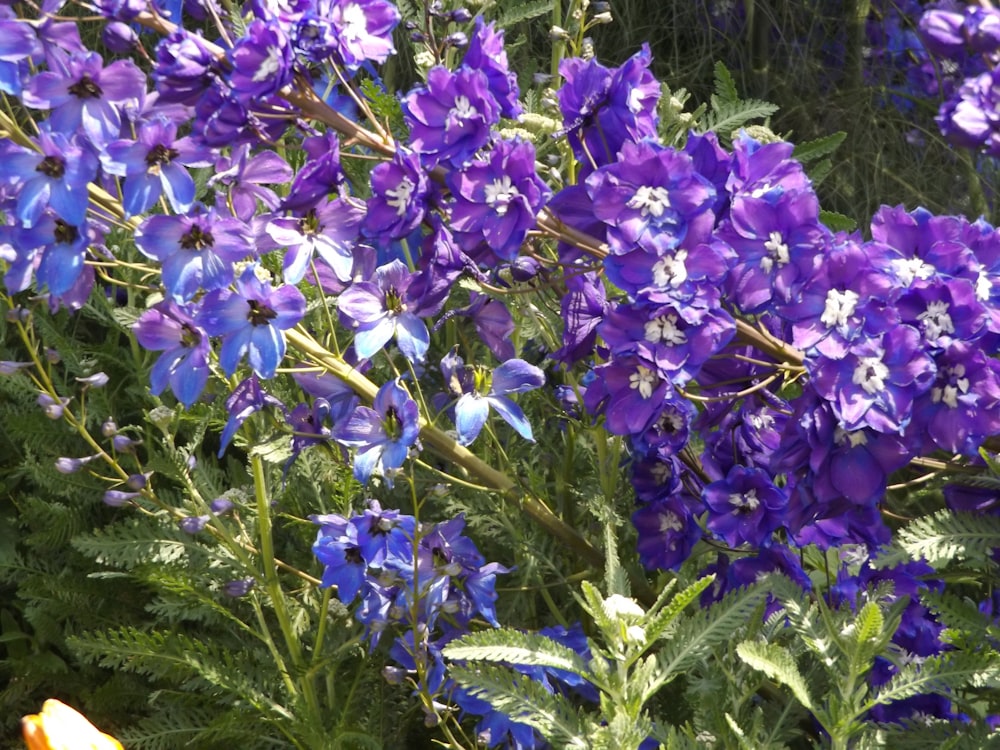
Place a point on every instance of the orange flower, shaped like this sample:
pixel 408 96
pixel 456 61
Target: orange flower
pixel 59 727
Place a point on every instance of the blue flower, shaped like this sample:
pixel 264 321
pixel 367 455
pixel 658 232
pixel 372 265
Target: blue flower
pixel 383 434
pixel 246 399
pixel 480 389
pixel 251 320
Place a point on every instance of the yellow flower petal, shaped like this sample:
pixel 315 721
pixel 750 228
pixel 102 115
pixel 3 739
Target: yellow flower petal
pixel 59 727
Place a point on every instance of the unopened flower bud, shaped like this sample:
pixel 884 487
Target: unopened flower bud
pixel 66 465
pixel 461 15
pixel 221 505
pixel 394 675
pixel 97 380
pixel 239 587
pixel 137 481
pixel 119 37
pixel 603 18
pixel 52 356
pixel 9 368
pixel 118 498
pixel 193 524
pixel 53 409
pixel 557 33
pixel 109 428
pixel 123 443
pixel 458 40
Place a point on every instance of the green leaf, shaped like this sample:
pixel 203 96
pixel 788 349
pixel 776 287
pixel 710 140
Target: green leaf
pixel 523 11
pixel 725 86
pixel 947 536
pixel 728 117
pixel 837 222
pixel 659 621
pixel 527 701
pixel 817 149
pixel 940 675
pixel 777 663
pixel 515 647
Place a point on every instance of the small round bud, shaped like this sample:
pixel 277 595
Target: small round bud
pixel 137 481
pixel 109 428
pixel 239 587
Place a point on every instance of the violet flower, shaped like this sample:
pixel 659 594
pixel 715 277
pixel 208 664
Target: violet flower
pixel 486 53
pixel 247 398
pixel 379 309
pixel 745 507
pixel 251 320
pixel 383 433
pixel 246 175
pixel 183 365
pixel 330 231
pixel 399 197
pixel 497 198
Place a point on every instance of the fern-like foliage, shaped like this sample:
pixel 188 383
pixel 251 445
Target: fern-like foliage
pixel 948 536
pixel 515 647
pixel 728 112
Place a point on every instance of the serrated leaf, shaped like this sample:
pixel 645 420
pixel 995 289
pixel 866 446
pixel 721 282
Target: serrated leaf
pixel 837 222
pixel 514 647
pixel 777 663
pixel 817 149
pixel 730 116
pixel 725 86
pixel 947 536
pixel 524 11
pixel 126 316
pixel 940 675
pixel 658 622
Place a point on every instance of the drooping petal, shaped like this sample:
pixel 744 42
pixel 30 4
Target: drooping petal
pixel 512 415
pixel 516 376
pixel 470 416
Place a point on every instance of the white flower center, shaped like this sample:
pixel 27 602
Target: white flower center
pixel 670 270
pixel 747 501
pixel 399 197
pixel 949 392
pixel 660 473
pixel 463 109
pixel 269 65
pixel 664 330
pixel 839 307
pixel 984 286
pixel 936 320
pixel 777 252
pixel 670 522
pixel 855 438
pixel 911 269
pixel 642 380
pixel 499 193
pixel 870 374
pixel 651 201
pixel 635 99
pixel 354 24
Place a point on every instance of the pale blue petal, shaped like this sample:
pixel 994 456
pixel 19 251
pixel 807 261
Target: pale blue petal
pixel 512 415
pixel 470 416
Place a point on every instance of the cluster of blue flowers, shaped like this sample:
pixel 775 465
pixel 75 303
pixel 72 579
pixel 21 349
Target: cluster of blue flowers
pixel 889 341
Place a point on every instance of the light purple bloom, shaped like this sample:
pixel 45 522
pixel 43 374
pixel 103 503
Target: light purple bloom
pixel 379 309
pixel 183 365
pixel 478 389
pixel 197 250
pixel 246 175
pixel 247 399
pixel 486 53
pixel 330 231
pixel 362 29
pixel 261 61
pixel 251 320
pixel 383 434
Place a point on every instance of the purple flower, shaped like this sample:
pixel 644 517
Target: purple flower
pixel 261 61
pixel 251 320
pixel 86 95
pixel 652 197
pixel 185 68
pixel 450 117
pixel 319 176
pixel 629 390
pixel 745 507
pixel 362 29
pixel 875 383
pixel 330 231
pixel 245 175
pixel 155 165
pixel 384 434
pixel 667 533
pixel 62 247
pixel 478 389
pixel 247 399
pixel 183 365
pixel 118 498
pixel 604 109
pixel 56 176
pixel 497 198
pixel 399 197
pixel 239 587
pixel 377 310
pixel 197 250
pixel 486 53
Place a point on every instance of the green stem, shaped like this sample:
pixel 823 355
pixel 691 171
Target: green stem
pixel 273 586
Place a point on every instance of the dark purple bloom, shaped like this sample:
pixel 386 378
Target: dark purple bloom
pixel 251 320
pixel 377 310
pixel 653 197
pixel 197 250
pixel 247 399
pixel 667 533
pixel 384 434
pixel 261 61
pixel 486 53
pixel 319 176
pixel 875 383
pixel 440 264
pixel 745 507
pixel 582 310
pixel 603 109
pixel 87 96
pixel 399 197
pixel 478 389
pixel 497 198
pixel 183 365
pixel 945 312
pixel 155 165
pixel 629 390
pixel 239 587
pixel 451 116
pixel 185 68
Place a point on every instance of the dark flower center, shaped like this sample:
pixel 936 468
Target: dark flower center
pixel 392 425
pixel 197 239
pixel 52 166
pixel 260 315
pixel 190 337
pixel 160 154
pixel 65 234
pixel 353 556
pixel 310 223
pixel 85 88
pixel 439 557
pixel 393 302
